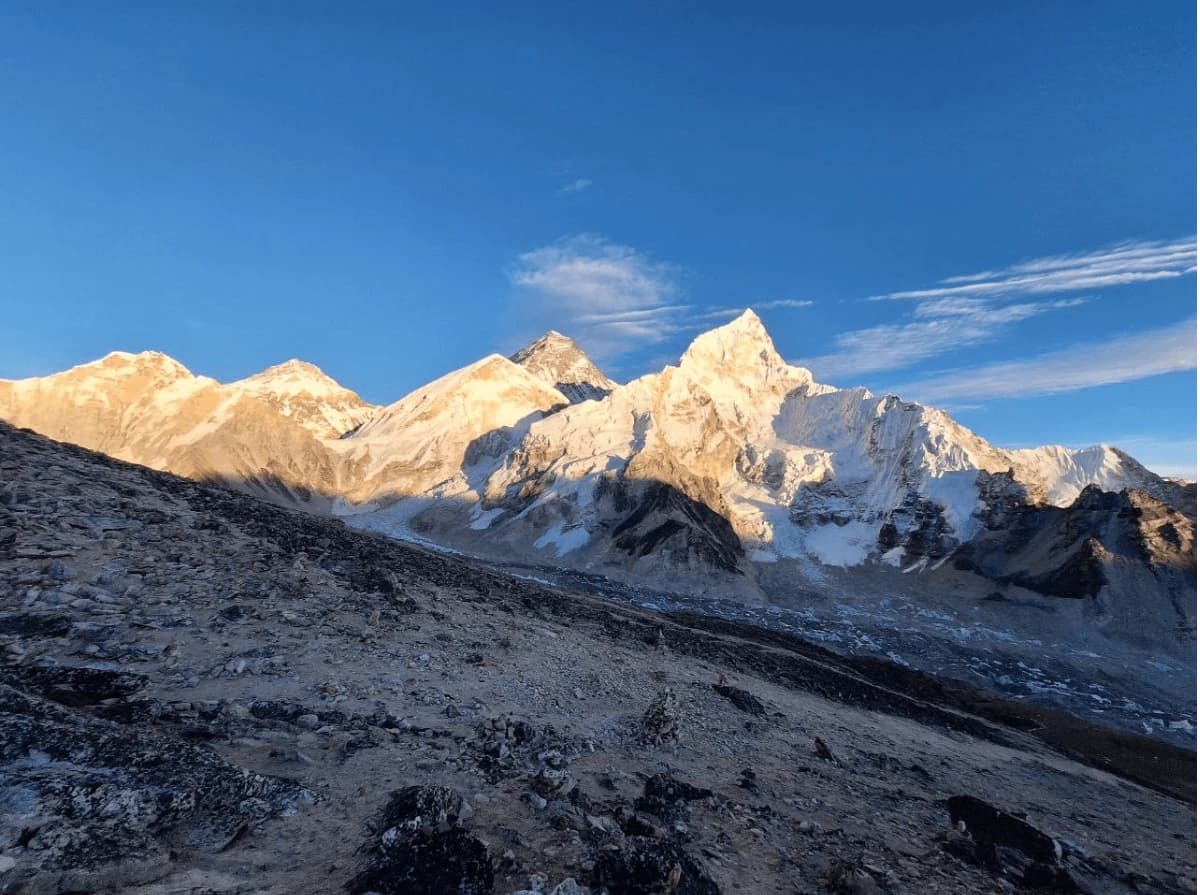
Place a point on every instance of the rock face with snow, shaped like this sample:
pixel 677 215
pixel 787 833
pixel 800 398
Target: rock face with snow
pixel 1102 537
pixel 562 364
pixel 728 460
pixel 435 441
pixel 795 469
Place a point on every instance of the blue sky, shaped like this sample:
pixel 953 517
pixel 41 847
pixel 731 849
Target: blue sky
pixel 989 207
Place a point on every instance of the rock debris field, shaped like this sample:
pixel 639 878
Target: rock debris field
pixel 203 693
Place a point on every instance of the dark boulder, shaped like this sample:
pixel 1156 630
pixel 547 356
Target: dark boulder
pixel 649 867
pixel 422 849
pixel 1012 847
pixel 744 700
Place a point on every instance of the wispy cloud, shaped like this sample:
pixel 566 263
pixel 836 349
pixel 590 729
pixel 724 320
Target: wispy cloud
pixel 733 311
pixel 1128 262
pixel 972 309
pixel 578 185
pixel 782 303
pixel 1168 349
pixel 612 298
pixel 935 327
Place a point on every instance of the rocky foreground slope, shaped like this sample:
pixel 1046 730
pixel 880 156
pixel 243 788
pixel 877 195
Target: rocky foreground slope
pixel 202 692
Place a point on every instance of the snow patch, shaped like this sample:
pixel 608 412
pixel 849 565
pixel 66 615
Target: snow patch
pixel 842 545
pixel 565 540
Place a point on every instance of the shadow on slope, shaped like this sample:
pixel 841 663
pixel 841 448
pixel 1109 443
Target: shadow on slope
pixel 376 564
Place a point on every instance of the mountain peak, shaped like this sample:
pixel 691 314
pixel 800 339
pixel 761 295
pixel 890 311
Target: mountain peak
pixel 747 321
pixel 293 374
pixel 309 396
pixel 550 341
pixel 743 339
pixel 559 361
pixel 142 361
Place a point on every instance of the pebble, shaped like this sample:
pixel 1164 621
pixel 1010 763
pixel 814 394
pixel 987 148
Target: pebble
pixel 535 800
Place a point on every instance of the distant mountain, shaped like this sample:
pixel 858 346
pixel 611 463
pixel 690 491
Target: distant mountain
pixel 266 434
pixel 444 432
pixel 728 462
pixel 562 364
pixel 305 394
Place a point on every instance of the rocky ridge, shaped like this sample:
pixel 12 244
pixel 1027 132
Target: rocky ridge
pixel 331 711
pixel 561 363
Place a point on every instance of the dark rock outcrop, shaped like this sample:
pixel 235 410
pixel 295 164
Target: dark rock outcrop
pixel 1074 551
pixel 94 804
pixel 422 849
pixel 666 523
pixel 649 866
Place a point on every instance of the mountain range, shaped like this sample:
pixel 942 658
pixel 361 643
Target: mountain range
pixel 729 468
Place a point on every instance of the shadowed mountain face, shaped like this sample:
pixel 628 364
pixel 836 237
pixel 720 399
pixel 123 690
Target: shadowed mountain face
pixel 708 471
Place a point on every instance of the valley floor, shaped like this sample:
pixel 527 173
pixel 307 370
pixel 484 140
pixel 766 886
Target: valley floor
pixel 200 692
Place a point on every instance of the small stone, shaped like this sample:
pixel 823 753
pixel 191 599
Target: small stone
pixel 58 571
pixel 308 722
pixel 821 750
pixel 535 800
pixel 236 710
pixel 744 700
pixel 605 825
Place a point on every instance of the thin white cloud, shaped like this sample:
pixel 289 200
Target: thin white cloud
pixel 593 274
pixel 578 185
pixel 940 326
pixel 1168 349
pixel 782 303
pixel 1129 262
pixel 610 297
pixel 728 313
pixel 972 309
pixel 717 314
pixel 659 313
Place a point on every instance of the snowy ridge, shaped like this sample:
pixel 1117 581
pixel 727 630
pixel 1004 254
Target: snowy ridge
pixel 304 393
pixel 800 470
pixel 428 439
pixel 542 455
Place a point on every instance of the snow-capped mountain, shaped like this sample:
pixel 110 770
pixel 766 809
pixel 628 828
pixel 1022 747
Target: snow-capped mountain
pixel 305 394
pixel 562 364
pixel 149 409
pixel 789 468
pixel 431 440
pixel 731 460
